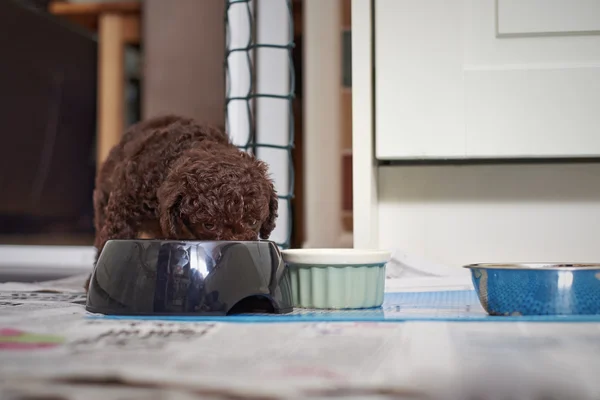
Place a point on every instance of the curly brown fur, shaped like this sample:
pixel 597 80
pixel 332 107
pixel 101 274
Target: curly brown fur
pixel 171 178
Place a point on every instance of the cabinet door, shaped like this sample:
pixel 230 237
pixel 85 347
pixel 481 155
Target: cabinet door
pixel 487 79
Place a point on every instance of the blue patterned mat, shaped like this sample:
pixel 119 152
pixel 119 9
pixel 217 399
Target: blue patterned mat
pixel 397 307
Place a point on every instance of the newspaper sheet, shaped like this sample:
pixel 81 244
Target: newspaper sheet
pixel 47 345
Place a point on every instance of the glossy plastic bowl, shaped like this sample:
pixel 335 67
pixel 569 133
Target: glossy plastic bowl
pixel 157 277
pixel 337 278
pixel 537 288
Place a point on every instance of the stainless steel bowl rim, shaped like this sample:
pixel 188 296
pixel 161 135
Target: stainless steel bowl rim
pixel 537 266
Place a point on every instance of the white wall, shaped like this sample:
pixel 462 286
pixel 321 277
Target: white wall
pixel 491 213
pixel 182 71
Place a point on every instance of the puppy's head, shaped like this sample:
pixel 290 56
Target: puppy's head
pixel 217 192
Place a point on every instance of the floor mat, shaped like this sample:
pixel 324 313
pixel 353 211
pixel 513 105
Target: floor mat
pixel 459 305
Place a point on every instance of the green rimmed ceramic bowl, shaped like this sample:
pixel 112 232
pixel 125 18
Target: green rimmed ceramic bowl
pixel 337 278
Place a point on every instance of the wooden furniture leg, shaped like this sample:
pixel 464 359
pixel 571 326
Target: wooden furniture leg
pixel 111 93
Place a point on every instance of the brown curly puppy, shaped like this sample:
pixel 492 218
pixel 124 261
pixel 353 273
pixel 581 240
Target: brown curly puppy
pixel 171 178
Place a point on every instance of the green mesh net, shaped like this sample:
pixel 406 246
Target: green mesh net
pixel 240 60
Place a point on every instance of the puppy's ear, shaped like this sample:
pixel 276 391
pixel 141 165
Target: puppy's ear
pixel 169 200
pixel 269 224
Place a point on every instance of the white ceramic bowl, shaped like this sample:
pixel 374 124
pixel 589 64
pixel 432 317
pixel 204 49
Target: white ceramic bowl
pixel 337 278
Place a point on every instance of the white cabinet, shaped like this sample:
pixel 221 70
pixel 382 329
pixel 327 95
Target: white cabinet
pixel 486 79
pixel 476 79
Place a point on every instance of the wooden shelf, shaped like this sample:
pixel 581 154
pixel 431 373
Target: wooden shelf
pixel 88 15
pixel 117 24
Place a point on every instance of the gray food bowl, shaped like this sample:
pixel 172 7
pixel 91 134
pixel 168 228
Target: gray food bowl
pixel 161 277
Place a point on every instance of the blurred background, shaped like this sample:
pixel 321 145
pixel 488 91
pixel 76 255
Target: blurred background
pixel 475 126
pixel 75 74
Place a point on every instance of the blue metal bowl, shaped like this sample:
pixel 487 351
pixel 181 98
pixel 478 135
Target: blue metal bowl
pixel 537 288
